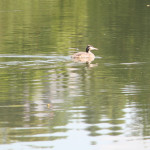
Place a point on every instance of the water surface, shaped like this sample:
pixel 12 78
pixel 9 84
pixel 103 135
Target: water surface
pixel 49 101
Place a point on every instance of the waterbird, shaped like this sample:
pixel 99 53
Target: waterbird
pixel 87 54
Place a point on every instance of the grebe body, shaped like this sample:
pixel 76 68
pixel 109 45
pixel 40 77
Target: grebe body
pixel 87 54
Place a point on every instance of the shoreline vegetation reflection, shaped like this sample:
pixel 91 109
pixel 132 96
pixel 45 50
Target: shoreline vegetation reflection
pixel 50 101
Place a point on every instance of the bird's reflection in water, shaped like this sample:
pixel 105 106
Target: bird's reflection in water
pixel 86 60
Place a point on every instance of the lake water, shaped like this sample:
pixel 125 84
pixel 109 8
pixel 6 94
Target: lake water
pixel 49 101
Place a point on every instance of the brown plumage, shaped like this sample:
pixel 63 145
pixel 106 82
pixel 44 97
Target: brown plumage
pixel 87 54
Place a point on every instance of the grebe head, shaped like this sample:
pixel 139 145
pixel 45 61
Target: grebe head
pixel 90 47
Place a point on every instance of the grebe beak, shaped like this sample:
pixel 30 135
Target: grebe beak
pixel 93 48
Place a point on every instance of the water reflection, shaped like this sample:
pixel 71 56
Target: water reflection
pixel 49 101
pixel 64 97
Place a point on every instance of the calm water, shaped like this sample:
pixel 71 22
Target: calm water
pixel 49 101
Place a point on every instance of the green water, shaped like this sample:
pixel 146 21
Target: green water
pixel 48 101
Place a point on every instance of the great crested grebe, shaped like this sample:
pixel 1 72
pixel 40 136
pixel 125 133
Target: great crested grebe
pixel 87 54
